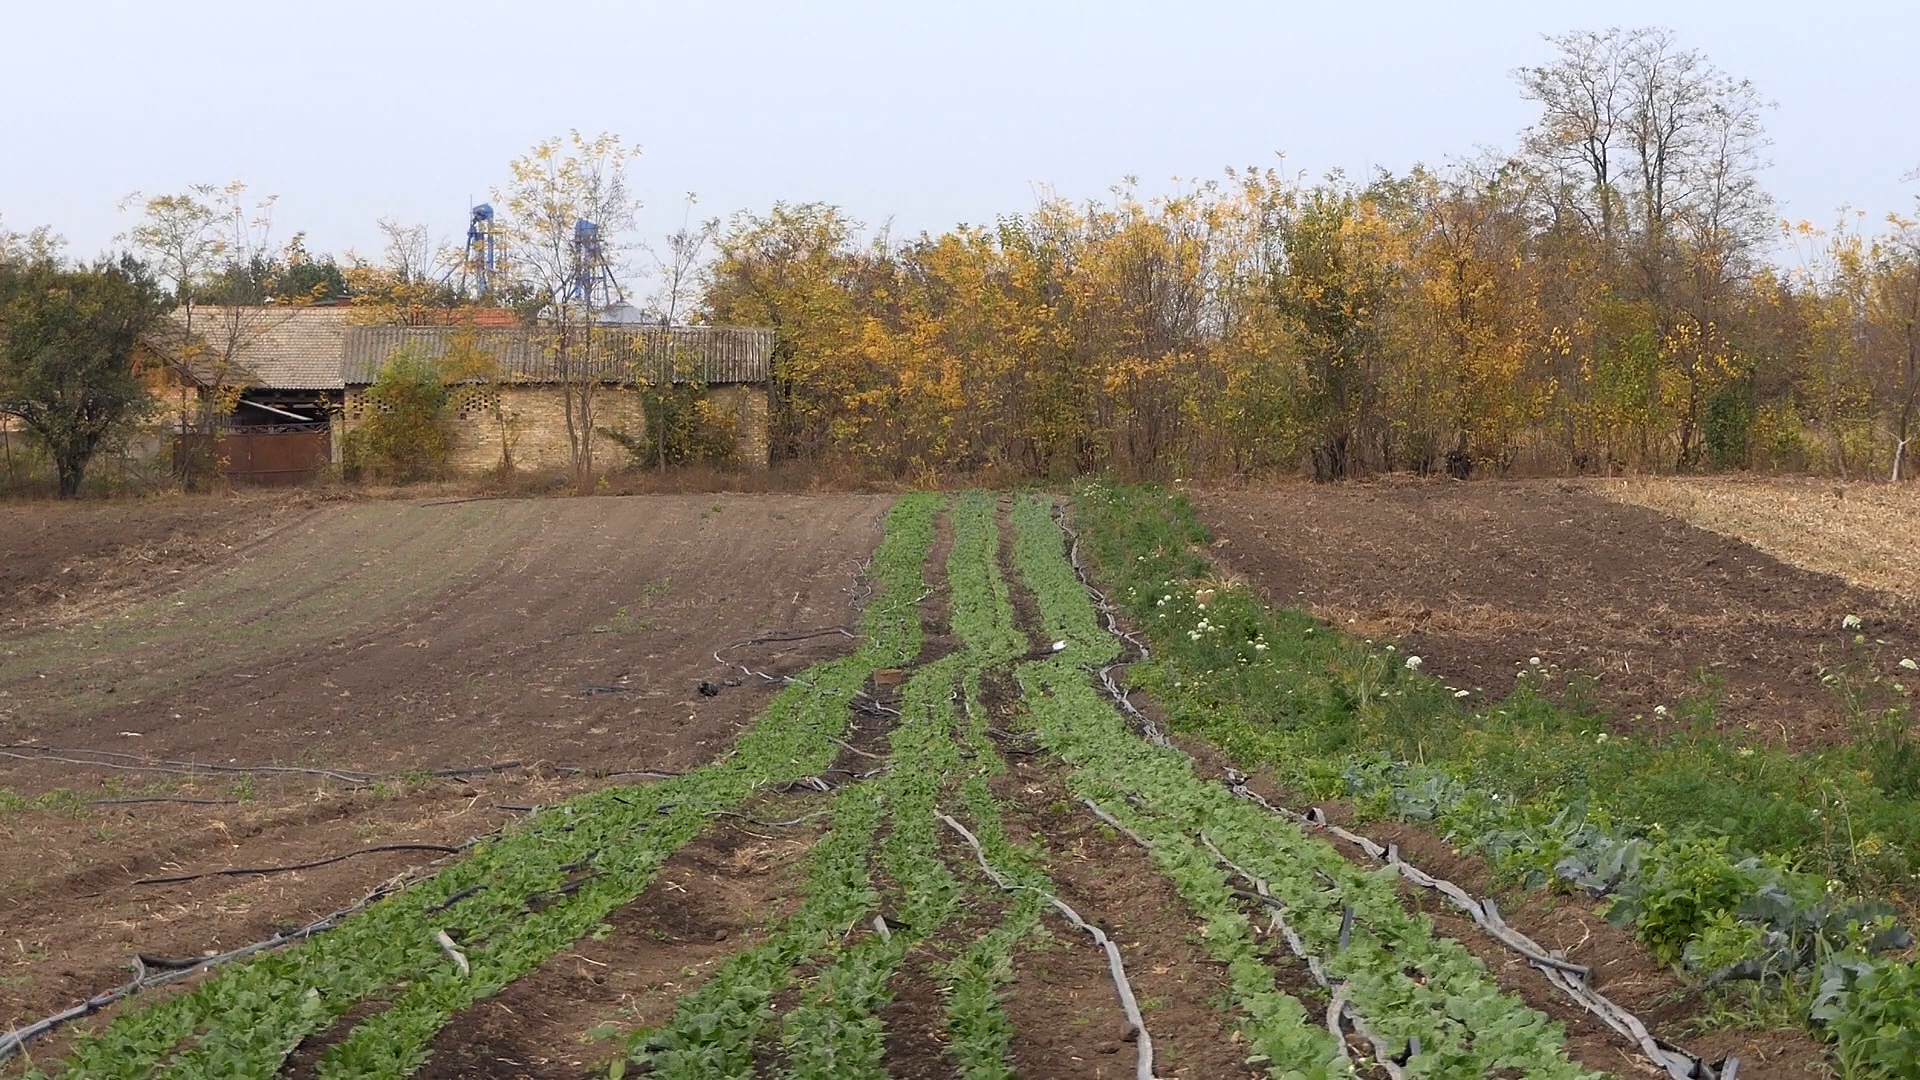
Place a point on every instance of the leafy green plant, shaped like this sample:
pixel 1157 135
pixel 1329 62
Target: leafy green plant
pixel 1877 1024
pixel 1712 847
pixel 1406 983
pixel 245 1019
pixel 834 1029
pixel 1683 890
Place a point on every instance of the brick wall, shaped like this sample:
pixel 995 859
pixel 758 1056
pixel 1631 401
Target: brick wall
pixel 537 424
pixel 751 404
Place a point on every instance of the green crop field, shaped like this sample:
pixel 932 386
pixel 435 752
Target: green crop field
pixel 1059 743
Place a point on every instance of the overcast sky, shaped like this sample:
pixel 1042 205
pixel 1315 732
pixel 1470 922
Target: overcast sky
pixel 925 114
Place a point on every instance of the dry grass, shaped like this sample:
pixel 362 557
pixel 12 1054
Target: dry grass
pixel 1868 534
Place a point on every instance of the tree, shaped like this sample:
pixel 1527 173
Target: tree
pixel 1658 153
pixel 556 187
pixel 677 268
pixel 409 285
pixel 37 245
pixel 210 242
pixel 1584 100
pixel 797 269
pixel 1894 320
pixel 1339 267
pixel 67 340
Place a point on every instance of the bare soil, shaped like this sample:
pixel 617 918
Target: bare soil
pixel 716 897
pixel 1066 1016
pixel 387 638
pixel 403 637
pixel 1862 532
pixel 1478 578
pixel 59 557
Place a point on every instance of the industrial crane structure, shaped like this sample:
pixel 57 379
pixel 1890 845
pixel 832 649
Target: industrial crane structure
pixel 590 279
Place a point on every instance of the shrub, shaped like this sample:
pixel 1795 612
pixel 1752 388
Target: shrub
pixel 697 428
pixel 405 434
pixel 1729 425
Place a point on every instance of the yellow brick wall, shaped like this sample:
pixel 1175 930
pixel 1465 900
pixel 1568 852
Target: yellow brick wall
pixel 536 419
pixel 750 405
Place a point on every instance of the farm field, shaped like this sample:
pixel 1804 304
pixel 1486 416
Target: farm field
pixel 1480 579
pixel 914 827
pixel 369 639
pixel 1861 532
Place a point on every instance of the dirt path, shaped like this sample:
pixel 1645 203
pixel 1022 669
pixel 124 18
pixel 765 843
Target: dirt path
pixel 1479 578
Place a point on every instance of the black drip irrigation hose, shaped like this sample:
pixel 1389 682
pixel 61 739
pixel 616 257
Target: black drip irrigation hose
pixel 1111 617
pixel 250 871
pixel 109 759
pixel 1572 980
pixel 174 970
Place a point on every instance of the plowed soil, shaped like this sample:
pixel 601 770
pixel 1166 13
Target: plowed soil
pixel 56 557
pixel 392 638
pixel 1479 578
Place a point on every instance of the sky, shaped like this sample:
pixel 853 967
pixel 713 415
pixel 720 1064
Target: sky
pixel 919 116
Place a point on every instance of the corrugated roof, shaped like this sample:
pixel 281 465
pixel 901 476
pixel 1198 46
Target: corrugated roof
pixel 708 354
pixel 272 348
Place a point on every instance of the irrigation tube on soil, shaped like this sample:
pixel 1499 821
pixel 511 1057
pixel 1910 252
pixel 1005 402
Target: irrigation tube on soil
pixel 1143 1043
pixel 1568 978
pixel 13 1041
pixel 1105 607
pixel 1337 1006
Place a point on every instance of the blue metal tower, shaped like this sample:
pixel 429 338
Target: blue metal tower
pixel 593 282
pixel 479 260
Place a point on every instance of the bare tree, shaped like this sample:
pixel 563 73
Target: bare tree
pixel 1677 144
pixel 191 237
pixel 556 187
pixel 1896 310
pixel 678 275
pixel 408 286
pixel 1584 99
pixel 410 253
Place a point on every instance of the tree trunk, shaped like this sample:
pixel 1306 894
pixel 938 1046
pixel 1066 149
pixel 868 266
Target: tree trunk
pixel 72 469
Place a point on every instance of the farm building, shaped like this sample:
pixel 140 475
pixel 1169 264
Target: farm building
pixel 283 362
pixel 274 376
pixel 291 381
pixel 512 393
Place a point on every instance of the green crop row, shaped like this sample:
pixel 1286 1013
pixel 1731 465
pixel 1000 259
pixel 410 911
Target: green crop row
pixel 510 904
pixel 713 1030
pixel 1405 983
pixel 980 1037
pixel 1726 857
pixel 834 1029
